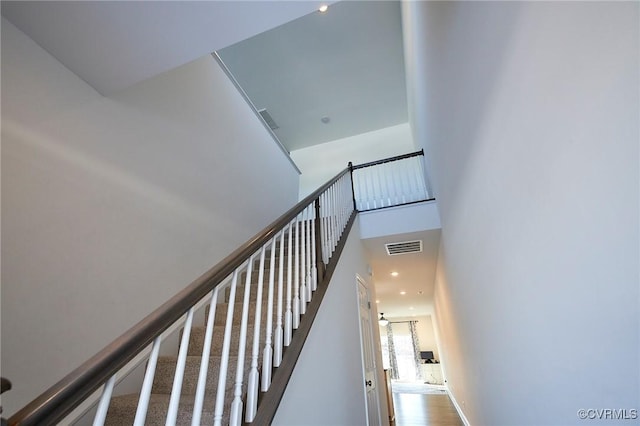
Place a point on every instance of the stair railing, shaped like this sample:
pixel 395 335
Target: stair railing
pixel 270 289
pixel 310 236
pixel 390 182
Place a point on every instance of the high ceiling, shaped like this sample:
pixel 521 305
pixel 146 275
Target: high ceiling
pixel 345 64
pixel 114 44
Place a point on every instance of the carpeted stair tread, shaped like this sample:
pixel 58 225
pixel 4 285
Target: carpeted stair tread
pixel 221 313
pixel 122 410
pixel 166 367
pixel 196 340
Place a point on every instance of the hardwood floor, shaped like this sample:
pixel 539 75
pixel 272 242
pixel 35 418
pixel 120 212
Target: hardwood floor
pixel 413 409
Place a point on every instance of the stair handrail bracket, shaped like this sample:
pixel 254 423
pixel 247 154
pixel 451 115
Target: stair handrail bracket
pixel 316 225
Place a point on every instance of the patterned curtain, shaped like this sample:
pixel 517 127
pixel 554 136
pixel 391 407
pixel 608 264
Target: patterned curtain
pixel 416 348
pixel 393 362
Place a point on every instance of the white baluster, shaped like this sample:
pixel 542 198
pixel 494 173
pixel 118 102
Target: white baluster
pixel 423 174
pixel 397 178
pixel 147 383
pixel 267 354
pixel 411 182
pixel 296 283
pixel 372 186
pixel 252 385
pixel 331 219
pixel 172 412
pixel 364 190
pixel 371 203
pixel 389 183
pixel 323 227
pixel 105 400
pixel 380 183
pixel 278 334
pixel 406 184
pixel 327 226
pixel 348 200
pixel 224 360
pixel 397 190
pixel 341 205
pixel 309 250
pixel 303 264
pixel 235 417
pixel 424 193
pixel 314 267
pixel 419 180
pixel 204 363
pixel 288 315
pixel 338 200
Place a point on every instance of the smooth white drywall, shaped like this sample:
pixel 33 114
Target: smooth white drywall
pixel 327 385
pixel 319 163
pixel 529 116
pixel 399 220
pixel 110 205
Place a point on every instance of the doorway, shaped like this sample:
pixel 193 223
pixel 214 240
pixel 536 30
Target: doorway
pixel 401 351
pixel 368 354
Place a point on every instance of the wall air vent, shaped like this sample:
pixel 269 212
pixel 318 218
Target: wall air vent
pixel 404 247
pixel 268 119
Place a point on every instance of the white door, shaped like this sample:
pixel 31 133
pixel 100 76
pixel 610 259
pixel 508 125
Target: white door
pixel 368 355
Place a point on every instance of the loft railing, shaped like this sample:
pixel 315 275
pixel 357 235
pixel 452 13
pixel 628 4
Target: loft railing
pixel 390 182
pixel 258 304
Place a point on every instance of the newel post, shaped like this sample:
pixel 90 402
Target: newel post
pixel 353 191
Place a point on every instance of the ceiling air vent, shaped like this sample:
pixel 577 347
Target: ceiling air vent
pixel 268 119
pixel 404 247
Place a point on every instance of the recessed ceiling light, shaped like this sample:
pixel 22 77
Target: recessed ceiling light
pixel 411 308
pixel 394 274
pixel 377 301
pixel 403 293
pixel 323 8
pixel 325 120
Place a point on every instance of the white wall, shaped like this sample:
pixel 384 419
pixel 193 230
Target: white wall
pixel 319 163
pixel 327 385
pixel 111 205
pixel 399 220
pixel 530 118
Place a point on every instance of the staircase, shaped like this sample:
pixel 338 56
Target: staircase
pixel 122 409
pixel 285 263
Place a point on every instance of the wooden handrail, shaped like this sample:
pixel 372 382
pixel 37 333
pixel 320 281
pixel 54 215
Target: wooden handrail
pixel 388 160
pixel 59 400
pixel 62 398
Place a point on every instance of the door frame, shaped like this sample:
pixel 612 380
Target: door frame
pixel 362 282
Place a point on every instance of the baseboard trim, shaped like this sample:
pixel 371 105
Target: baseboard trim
pixel 458 409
